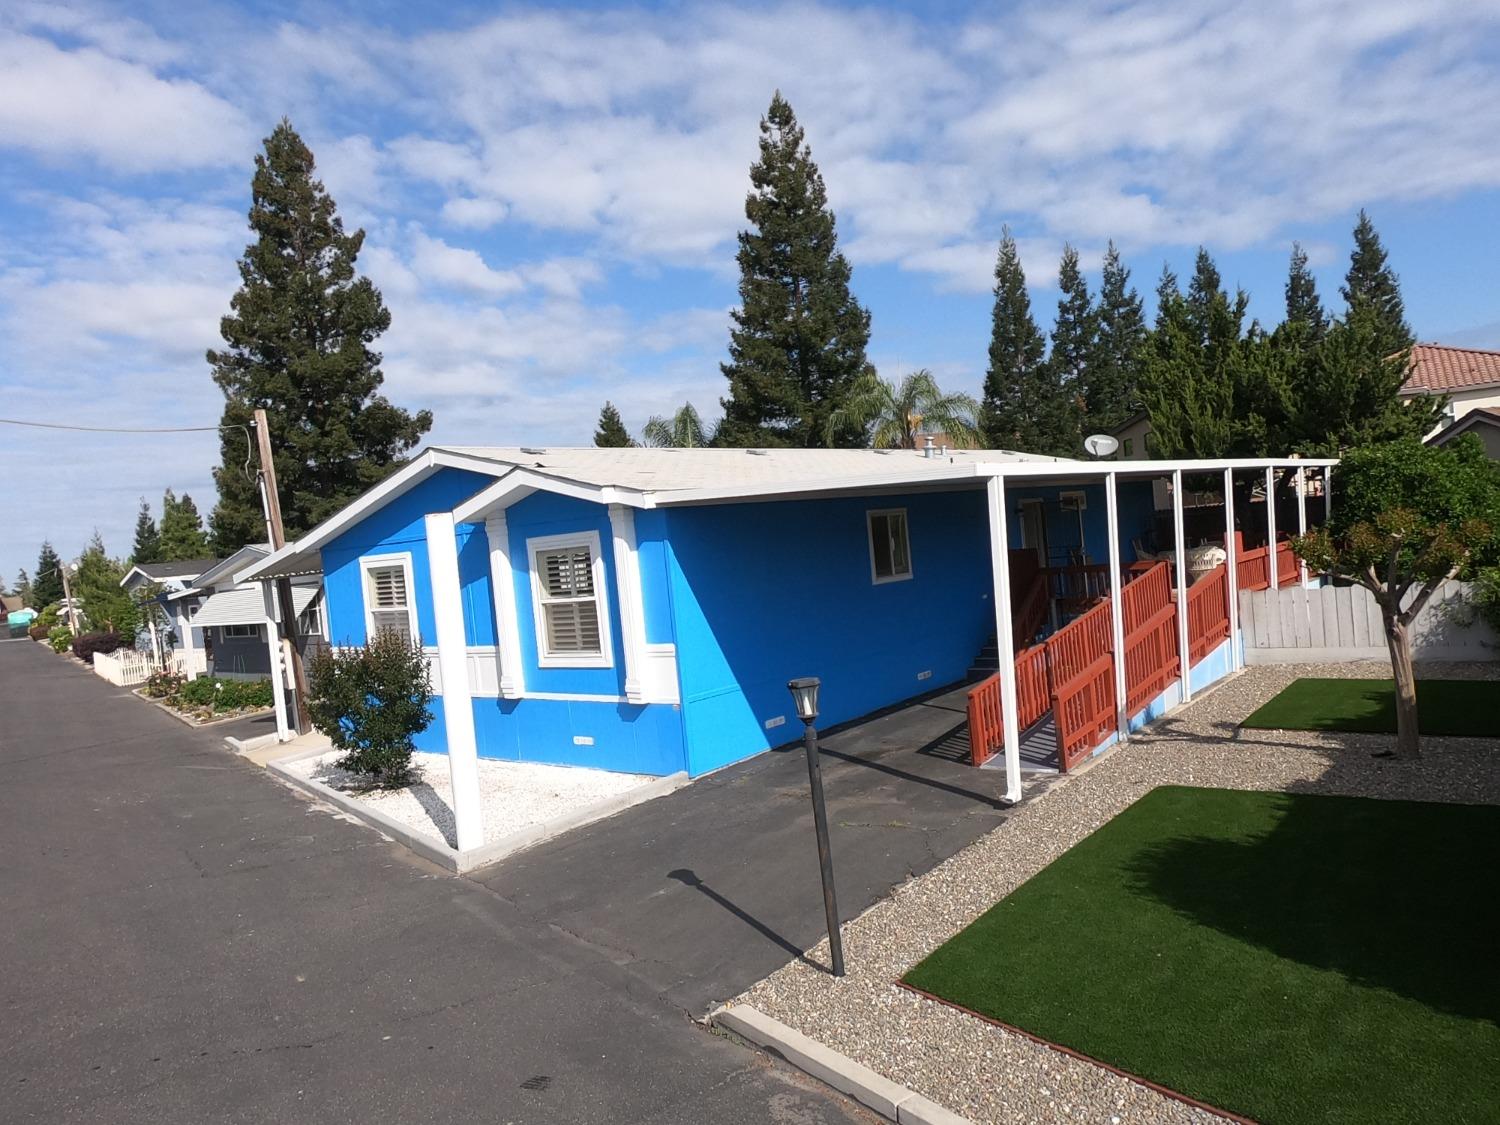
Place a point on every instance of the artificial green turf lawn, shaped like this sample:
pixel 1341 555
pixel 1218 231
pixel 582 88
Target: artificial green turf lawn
pixel 1291 958
pixel 1444 707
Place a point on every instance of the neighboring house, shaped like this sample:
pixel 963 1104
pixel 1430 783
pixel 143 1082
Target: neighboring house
pixel 235 621
pixel 643 609
pixel 1470 377
pixel 1483 422
pixel 170 580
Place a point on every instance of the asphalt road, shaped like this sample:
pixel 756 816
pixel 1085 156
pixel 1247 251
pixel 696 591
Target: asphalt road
pixel 183 939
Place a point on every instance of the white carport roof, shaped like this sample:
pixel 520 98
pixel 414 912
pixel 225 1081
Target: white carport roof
pixel 246 606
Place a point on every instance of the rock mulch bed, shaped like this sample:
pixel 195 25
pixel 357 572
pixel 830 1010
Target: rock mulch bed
pixel 992 1075
pixel 514 795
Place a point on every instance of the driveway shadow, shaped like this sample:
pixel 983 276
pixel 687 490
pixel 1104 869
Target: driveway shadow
pixel 688 878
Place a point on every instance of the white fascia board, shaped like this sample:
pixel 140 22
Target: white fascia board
pixel 518 484
pixel 1102 469
pixel 793 489
pixel 295 558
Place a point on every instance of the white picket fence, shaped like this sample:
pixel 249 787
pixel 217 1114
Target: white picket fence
pixel 1294 625
pixel 125 667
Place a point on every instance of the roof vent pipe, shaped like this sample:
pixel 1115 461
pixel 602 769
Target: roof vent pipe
pixel 928 449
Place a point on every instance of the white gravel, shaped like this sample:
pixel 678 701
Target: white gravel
pixel 992 1075
pixel 515 795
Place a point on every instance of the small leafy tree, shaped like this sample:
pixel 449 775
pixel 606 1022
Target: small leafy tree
pixel 897 416
pixel 1407 517
pixel 371 702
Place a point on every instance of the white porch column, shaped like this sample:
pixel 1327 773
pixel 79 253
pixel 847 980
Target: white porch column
pixel 507 623
pixel 1179 536
pixel 632 606
pixel 1232 571
pixel 1301 518
pixel 1010 713
pixel 1116 609
pixel 1271 526
pixel 453 663
pixel 284 728
pixel 1327 493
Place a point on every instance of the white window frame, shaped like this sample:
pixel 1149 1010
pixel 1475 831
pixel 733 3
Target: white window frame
pixel 251 632
pixel 368 563
pixel 315 607
pixel 870 544
pixel 605 658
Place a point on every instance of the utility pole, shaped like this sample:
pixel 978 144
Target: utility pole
pixel 272 502
pixel 68 597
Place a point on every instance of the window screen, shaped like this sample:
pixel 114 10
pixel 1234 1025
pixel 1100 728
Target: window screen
pixel 890 552
pixel 569 602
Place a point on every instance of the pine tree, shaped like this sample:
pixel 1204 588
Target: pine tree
pixel 611 433
pixel 1372 290
pixel 1075 330
pixel 106 607
pixel 1306 320
pixel 182 535
pixel 799 336
pixel 24 590
pixel 1111 381
pixel 147 547
pixel 1025 407
pixel 299 344
pixel 47 583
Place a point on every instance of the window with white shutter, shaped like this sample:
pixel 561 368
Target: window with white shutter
pixel 890 546
pixel 572 621
pixel 389 606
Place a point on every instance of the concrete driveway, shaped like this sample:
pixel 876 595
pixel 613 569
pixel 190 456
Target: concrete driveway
pixel 186 940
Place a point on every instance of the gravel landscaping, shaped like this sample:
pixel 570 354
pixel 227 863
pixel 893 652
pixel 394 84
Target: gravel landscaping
pixel 992 1075
pixel 515 795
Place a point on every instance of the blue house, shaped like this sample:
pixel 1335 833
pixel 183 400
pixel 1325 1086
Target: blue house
pixel 643 609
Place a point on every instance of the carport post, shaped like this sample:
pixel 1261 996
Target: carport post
pixel 453 667
pixel 1179 536
pixel 273 647
pixel 1116 609
pixel 1327 494
pixel 1301 518
pixel 1000 575
pixel 1233 571
pixel 1271 560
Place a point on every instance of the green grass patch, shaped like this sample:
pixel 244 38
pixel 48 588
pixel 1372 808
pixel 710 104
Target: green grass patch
pixel 1444 707
pixel 1291 958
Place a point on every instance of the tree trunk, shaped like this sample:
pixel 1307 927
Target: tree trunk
pixel 1408 743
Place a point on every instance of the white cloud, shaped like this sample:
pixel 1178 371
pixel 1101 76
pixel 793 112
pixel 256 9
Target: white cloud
pixel 473 212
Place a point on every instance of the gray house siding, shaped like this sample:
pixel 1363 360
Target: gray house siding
pixel 240 657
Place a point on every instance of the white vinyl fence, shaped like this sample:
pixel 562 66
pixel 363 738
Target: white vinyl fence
pixel 1294 625
pixel 126 666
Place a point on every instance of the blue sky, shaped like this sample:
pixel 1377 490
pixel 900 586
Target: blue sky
pixel 551 194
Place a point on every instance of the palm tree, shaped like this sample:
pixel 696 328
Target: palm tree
pixel 900 416
pixel 684 430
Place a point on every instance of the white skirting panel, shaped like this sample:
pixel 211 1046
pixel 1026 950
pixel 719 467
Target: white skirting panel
pixel 659 680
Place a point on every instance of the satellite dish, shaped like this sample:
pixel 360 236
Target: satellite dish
pixel 1100 445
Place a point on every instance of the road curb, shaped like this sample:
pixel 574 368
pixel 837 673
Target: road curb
pixel 461 862
pixel 889 1099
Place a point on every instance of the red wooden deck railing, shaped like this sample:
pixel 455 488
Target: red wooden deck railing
pixel 1151 657
pixel 1078 586
pixel 1033 700
pixel 1208 613
pixel 1147 593
pixel 1084 711
pixel 1288 569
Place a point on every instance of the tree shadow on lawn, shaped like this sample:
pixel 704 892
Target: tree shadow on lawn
pixel 1391 894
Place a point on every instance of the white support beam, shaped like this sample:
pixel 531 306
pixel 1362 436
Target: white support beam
pixel 1232 572
pixel 453 665
pixel 1271 527
pixel 284 729
pixel 1116 607
pixel 1301 518
pixel 507 621
pixel 1000 575
pixel 632 605
pixel 1327 494
pixel 1179 538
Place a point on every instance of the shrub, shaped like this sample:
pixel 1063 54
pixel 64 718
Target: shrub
pixel 232 695
pixel 161 685
pixel 199 692
pixel 86 644
pixel 1487 595
pixel 40 632
pixel 371 702
pixel 60 638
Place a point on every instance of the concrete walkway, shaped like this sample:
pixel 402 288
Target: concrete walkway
pixel 186 940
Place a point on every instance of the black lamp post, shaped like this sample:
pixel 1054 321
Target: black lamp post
pixel 804 691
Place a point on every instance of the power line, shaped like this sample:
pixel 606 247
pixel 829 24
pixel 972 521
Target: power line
pixel 114 429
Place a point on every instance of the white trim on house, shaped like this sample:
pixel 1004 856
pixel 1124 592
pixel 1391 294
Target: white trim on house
pixel 896 575
pixel 632 600
pixel 367 563
pixel 605 657
pixel 511 676
pixel 458 710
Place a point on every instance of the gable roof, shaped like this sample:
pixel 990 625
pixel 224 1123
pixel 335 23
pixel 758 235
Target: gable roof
pixel 226 571
pixel 1480 416
pixel 184 570
pixel 1441 369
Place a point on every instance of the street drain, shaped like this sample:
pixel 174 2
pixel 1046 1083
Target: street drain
pixel 537 1082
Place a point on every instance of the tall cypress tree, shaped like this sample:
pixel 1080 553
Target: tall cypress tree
pixel 1111 393
pixel 1306 320
pixel 799 336
pixel 611 433
pixel 299 344
pixel 147 547
pixel 1076 328
pixel 47 583
pixel 1371 290
pixel 182 534
pixel 1025 406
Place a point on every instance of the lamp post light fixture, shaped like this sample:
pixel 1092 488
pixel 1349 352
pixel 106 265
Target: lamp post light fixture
pixel 804 691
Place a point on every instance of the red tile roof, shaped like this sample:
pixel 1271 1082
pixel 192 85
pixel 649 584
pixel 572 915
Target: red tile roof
pixel 1438 368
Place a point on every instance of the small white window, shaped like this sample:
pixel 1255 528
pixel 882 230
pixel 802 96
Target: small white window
pixel 572 616
pixel 310 622
pixel 389 603
pixel 241 632
pixel 890 548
